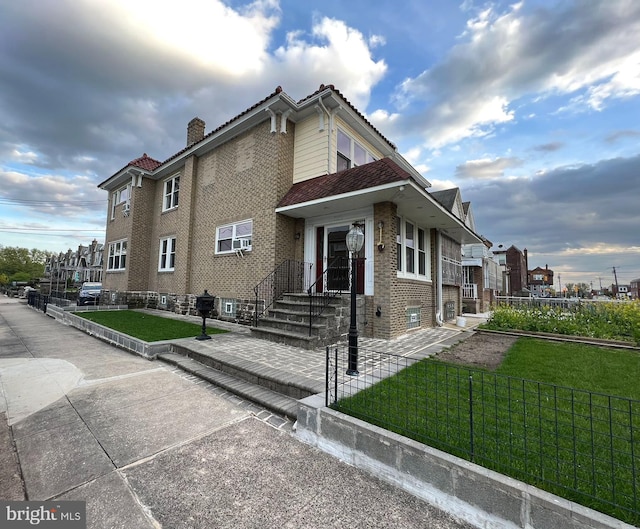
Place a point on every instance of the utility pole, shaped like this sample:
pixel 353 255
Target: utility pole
pixel 560 285
pixel 615 276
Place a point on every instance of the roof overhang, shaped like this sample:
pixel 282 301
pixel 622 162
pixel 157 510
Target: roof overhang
pixel 413 203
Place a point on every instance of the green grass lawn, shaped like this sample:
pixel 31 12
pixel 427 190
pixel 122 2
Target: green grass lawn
pixel 526 420
pixel 600 370
pixel 146 327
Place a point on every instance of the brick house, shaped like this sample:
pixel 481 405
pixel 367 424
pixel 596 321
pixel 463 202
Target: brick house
pixel 513 267
pixel 541 281
pixel 283 182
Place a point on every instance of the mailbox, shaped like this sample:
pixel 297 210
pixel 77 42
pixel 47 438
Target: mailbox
pixel 204 303
pixel 205 306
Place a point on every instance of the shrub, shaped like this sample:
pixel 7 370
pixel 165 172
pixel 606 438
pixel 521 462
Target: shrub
pixel 612 320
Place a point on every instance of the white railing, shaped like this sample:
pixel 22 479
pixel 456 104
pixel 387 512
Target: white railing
pixel 469 291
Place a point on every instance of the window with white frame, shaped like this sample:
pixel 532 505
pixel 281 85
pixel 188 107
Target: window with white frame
pixel 170 193
pixel 167 259
pixel 120 196
pixel 117 255
pixel 233 237
pixel 351 153
pixel 412 243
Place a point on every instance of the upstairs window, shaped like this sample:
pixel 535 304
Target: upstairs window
pixel 234 237
pixel 351 153
pixel 167 260
pixel 117 255
pixel 171 193
pixel 121 196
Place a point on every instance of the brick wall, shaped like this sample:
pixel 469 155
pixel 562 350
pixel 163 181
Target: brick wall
pixel 394 296
pixel 243 179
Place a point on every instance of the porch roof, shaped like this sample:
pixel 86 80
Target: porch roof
pixel 369 184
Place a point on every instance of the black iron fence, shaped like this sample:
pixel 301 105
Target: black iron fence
pixel 577 444
pixel 37 300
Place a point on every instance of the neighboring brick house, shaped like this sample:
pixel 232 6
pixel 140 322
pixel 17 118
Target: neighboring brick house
pixel 513 268
pixel 541 281
pixel 283 180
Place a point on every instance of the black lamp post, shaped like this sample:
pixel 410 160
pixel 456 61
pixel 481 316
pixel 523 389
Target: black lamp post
pixel 204 305
pixel 355 240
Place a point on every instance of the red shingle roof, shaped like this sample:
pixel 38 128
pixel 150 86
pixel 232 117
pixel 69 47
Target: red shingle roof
pixel 145 162
pixel 384 171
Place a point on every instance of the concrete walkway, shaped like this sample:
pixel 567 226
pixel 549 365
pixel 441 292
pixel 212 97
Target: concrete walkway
pixel 147 446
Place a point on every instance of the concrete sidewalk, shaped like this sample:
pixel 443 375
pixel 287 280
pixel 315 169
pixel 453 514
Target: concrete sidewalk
pixel 147 446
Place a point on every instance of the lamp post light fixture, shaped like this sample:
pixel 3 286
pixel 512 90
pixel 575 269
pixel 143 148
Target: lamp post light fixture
pixel 204 305
pixel 355 240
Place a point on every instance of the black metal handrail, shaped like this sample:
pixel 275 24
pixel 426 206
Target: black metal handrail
pixel 288 277
pixel 333 281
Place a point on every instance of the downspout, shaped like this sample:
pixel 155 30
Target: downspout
pixel 439 319
pixel 330 128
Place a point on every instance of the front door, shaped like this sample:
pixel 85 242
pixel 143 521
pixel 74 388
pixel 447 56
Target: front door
pixel 337 258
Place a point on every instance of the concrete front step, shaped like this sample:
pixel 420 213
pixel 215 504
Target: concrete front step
pixel 292 326
pixel 272 400
pixel 289 384
pixel 295 339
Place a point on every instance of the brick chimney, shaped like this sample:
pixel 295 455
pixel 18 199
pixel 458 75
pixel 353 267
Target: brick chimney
pixel 195 131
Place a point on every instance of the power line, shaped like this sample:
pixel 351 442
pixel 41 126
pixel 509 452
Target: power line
pixel 44 230
pixel 52 203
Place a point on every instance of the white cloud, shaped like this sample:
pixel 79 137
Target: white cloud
pixel 582 49
pixel 335 48
pixel 486 168
pixel 217 36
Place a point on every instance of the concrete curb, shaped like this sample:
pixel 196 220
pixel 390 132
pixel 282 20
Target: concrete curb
pixel 470 492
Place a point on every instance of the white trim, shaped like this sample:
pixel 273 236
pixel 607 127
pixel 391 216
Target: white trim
pixel 172 179
pixel 344 219
pixel 171 243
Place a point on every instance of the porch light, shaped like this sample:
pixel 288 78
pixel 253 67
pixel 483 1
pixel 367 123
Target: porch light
pixel 355 240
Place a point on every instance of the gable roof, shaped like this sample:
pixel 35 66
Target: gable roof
pixel 380 172
pixel 446 197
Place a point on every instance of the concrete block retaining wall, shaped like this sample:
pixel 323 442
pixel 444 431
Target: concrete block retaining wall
pixel 123 341
pixel 470 492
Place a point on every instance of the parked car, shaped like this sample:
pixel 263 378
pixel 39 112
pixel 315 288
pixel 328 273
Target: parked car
pixel 89 293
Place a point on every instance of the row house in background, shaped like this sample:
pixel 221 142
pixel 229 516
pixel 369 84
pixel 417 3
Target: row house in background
pixel 634 288
pixel 74 267
pixel 480 270
pixel 621 291
pixel 513 269
pixel 277 188
pixel 541 281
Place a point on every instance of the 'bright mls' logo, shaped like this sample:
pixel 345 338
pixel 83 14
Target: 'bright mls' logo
pixel 47 514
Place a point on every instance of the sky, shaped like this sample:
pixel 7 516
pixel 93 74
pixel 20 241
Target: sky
pixel 530 108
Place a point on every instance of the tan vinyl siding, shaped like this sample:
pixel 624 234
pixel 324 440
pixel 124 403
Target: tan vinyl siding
pixel 311 152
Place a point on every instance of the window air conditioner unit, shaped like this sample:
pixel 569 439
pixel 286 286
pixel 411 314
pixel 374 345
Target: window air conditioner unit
pixel 126 209
pixel 241 244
